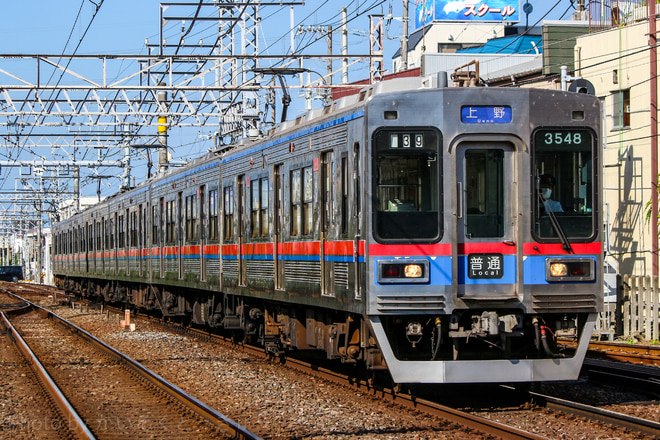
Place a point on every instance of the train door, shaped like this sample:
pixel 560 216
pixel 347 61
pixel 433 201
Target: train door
pixel 87 245
pixel 241 229
pixel 104 242
pixel 327 212
pixel 357 206
pixel 486 221
pixel 162 235
pixel 179 231
pixel 277 226
pixel 201 225
pixel 113 241
pixel 141 238
pixel 126 229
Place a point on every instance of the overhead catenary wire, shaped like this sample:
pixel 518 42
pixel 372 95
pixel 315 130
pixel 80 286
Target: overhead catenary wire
pixel 96 10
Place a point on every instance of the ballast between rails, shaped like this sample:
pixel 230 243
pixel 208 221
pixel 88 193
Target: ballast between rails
pixel 76 424
pixel 227 425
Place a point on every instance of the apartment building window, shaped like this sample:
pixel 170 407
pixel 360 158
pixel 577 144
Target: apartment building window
pixel 621 109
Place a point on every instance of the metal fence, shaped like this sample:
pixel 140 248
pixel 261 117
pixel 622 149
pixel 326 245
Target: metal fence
pixel 604 14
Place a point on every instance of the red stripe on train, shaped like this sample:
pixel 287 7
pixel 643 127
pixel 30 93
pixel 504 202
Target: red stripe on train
pixel 405 250
pixel 556 248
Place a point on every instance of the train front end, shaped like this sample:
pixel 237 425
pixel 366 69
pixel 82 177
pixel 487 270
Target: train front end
pixel 484 243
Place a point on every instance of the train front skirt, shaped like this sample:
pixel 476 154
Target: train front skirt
pixel 494 371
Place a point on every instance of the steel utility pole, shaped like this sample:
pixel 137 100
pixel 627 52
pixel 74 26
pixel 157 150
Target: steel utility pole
pixel 404 38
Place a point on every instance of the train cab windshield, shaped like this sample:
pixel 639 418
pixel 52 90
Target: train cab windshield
pixel 563 185
pixel 407 186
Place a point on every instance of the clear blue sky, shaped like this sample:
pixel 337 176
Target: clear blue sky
pixel 121 27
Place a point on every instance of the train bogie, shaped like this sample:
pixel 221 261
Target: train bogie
pixel 446 235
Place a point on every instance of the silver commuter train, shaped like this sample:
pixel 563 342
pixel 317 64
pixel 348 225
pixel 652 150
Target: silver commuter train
pixel 447 235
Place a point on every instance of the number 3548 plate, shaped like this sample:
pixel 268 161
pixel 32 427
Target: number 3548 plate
pixel 484 266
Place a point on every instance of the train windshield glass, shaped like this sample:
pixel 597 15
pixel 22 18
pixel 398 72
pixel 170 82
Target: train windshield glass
pixel 407 185
pixel 563 195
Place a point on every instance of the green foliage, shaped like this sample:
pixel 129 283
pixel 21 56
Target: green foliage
pixel 648 212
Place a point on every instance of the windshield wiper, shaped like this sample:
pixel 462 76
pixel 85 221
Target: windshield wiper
pixel 565 244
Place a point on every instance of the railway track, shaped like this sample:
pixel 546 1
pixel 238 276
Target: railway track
pixel 486 426
pixel 462 418
pixel 34 417
pixel 624 421
pixel 639 354
pixel 104 394
pixel 492 428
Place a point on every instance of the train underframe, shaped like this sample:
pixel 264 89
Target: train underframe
pixel 465 335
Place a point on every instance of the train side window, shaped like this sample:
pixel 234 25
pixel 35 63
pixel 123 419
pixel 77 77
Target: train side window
pixel 121 231
pixel 154 225
pixel 228 212
pixel 255 206
pixel 308 199
pixel 191 217
pixel 134 228
pixel 90 237
pixel 259 208
pixel 296 208
pixel 327 175
pixel 97 235
pixel 302 197
pixel 170 221
pixel 141 233
pixel 111 228
pixel 106 239
pixel 213 215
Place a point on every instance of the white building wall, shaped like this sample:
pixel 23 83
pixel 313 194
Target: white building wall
pixel 615 60
pixel 449 33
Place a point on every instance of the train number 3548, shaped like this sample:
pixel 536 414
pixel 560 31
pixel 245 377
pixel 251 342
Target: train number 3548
pixel 561 138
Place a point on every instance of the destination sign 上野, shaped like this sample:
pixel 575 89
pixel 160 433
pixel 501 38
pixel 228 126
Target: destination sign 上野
pixel 481 114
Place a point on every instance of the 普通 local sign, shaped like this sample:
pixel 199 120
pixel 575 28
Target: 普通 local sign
pixel 427 11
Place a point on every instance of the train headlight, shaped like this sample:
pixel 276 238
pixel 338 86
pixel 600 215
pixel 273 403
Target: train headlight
pixel 558 270
pixel 403 271
pixel 570 269
pixel 413 271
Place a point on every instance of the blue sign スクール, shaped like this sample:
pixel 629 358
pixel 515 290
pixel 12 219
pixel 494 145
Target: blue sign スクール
pixel 480 114
pixel 427 11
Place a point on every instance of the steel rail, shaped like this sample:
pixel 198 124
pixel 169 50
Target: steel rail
pixel 593 413
pixel 227 425
pixel 471 421
pixel 76 424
